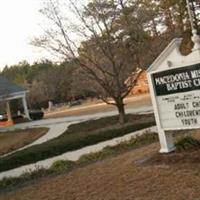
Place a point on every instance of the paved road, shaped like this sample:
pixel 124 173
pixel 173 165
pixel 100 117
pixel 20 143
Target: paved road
pixel 55 121
pixel 98 107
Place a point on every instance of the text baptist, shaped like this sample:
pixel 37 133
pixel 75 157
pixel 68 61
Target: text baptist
pixel 179 85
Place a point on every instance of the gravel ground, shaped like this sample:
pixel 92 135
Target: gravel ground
pixel 134 175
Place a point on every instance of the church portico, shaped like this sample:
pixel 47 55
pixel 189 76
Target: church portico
pixel 9 92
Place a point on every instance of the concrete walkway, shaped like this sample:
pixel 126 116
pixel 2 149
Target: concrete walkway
pixel 74 155
pixel 58 126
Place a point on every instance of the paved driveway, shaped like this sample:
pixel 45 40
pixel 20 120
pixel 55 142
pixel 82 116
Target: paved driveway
pixel 73 119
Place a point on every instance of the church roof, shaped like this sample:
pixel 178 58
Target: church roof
pixel 8 88
pixel 170 53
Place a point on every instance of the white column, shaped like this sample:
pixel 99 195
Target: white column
pixel 8 111
pixel 26 112
pixel 166 141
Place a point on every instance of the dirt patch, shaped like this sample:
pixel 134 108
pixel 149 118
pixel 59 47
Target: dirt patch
pixel 128 176
pixel 188 157
pixel 10 141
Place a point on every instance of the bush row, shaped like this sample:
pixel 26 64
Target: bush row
pixel 69 141
pixel 61 166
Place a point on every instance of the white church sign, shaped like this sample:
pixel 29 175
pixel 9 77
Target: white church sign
pixel 174 82
pixel 178 97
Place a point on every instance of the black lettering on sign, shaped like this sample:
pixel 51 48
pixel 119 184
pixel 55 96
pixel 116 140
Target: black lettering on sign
pixel 187 113
pixel 189 122
pixel 177 80
pixel 196 104
pixel 180 106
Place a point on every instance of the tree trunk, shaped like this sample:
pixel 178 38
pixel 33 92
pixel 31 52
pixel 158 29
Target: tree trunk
pixel 155 32
pixel 169 20
pixel 121 110
pixel 195 16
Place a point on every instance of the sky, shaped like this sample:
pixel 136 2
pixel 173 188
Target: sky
pixel 20 21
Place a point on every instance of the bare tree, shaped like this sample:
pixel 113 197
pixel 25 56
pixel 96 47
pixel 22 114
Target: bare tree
pixel 105 42
pixel 51 85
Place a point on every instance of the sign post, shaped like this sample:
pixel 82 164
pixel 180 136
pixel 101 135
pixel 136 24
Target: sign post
pixel 174 82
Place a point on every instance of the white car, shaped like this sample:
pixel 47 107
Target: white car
pixel 2 117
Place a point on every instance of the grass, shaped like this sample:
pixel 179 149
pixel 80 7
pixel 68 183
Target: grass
pixel 13 140
pixel 76 137
pixel 61 166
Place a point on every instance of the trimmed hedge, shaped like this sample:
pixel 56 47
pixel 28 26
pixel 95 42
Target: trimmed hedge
pixel 71 140
pixel 187 143
pixel 36 114
pixel 62 166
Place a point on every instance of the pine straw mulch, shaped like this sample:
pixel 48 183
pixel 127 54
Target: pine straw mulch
pixel 13 140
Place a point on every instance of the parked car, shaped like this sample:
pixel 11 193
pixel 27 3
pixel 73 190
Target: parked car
pixel 74 103
pixel 36 114
pixel 3 117
pixel 15 117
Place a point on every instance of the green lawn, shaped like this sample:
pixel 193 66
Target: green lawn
pixel 76 137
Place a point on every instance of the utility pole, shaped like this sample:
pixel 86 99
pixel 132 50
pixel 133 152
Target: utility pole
pixel 195 37
pixel 193 7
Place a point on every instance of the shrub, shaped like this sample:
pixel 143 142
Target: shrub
pixel 38 172
pixel 94 156
pixel 135 142
pixel 105 122
pixel 62 165
pixel 36 114
pixel 70 140
pixel 65 165
pixel 187 143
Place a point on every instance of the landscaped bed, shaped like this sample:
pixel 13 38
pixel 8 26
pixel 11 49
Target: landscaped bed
pixel 76 137
pixel 62 166
pixel 13 140
pixel 141 174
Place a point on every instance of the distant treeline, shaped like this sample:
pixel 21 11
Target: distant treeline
pixel 48 81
